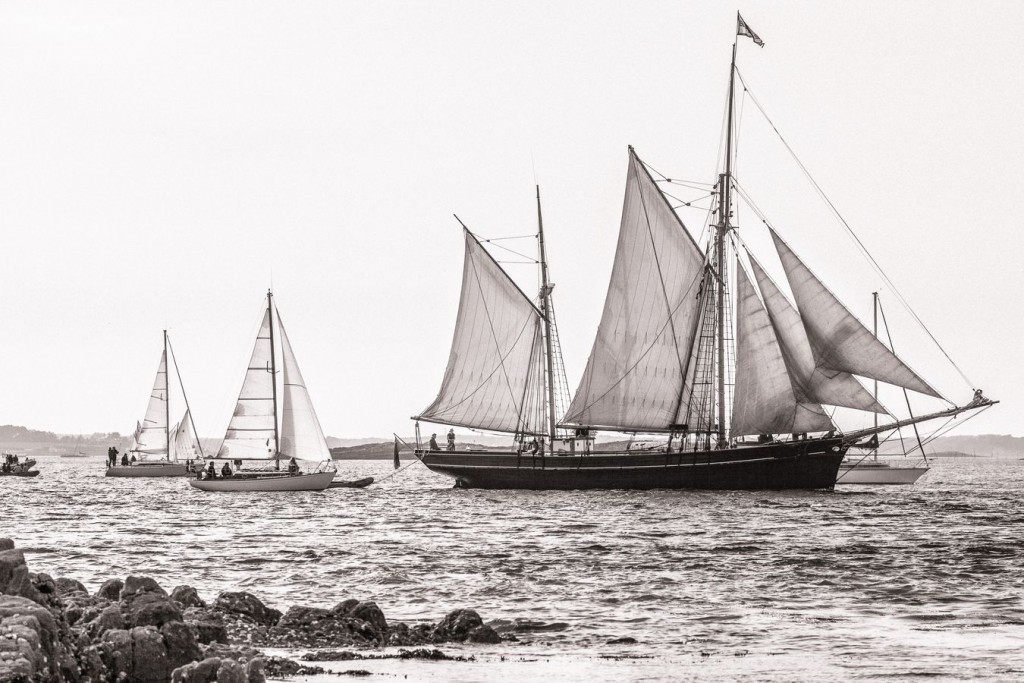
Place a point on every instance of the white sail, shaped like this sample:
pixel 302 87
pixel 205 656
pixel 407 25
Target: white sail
pixel 495 359
pixel 151 437
pixel 830 387
pixel 766 399
pixel 635 374
pixel 183 440
pixel 301 435
pixel 841 342
pixel 250 433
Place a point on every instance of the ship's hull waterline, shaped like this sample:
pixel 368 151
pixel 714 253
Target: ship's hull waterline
pixel 809 465
pixel 317 481
pixel 162 469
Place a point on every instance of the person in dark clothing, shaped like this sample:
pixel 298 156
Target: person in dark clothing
pixel 293 467
pixel 226 470
pixel 211 471
pixel 451 439
pixel 433 443
pixel 534 446
pixel 133 461
pixel 124 459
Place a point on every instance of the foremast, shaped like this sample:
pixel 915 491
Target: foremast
pixel 273 381
pixel 546 313
pixel 167 401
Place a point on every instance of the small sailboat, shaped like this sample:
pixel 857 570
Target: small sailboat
pixel 691 346
pixel 263 430
pixel 76 452
pixel 157 448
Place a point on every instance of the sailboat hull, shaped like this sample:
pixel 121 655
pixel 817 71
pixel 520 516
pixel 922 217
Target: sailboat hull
pixel 879 475
pixel 317 481
pixel 811 464
pixel 146 469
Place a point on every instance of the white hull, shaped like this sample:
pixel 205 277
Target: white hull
pixel 156 469
pixel 318 481
pixel 874 474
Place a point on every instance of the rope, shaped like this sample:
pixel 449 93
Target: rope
pixel 835 211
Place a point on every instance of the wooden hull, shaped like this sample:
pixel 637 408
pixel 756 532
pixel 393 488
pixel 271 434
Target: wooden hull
pixel 811 464
pixel 318 481
pixel 156 469
pixel 879 475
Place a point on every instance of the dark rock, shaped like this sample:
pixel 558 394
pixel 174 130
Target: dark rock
pixel 14 576
pixel 134 585
pixel 371 614
pixel 6 544
pixel 456 626
pixel 297 617
pixel 254 670
pixel 180 643
pixel 67 587
pixel 207 625
pixel 149 656
pixel 345 606
pixel 197 672
pixel 109 619
pixel 278 667
pixel 187 596
pixel 483 634
pixel 247 605
pixel 20 615
pixel 115 651
pixel 231 671
pixel 354 672
pixel 150 609
pixel 622 641
pixel 111 589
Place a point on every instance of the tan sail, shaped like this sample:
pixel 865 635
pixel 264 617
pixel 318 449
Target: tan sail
pixel 830 387
pixel 635 374
pixel 841 342
pixel 494 378
pixel 767 400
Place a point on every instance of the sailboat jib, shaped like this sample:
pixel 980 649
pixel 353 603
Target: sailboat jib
pixel 767 400
pixel 301 435
pixel 496 365
pixel 250 432
pixel 839 340
pixel 830 387
pixel 151 436
pixel 182 440
pixel 635 374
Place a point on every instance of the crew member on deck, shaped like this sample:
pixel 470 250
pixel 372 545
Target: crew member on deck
pixel 433 443
pixel 211 471
pixel 124 459
pixel 451 439
pixel 534 446
pixel 134 459
pixel 293 467
pixel 226 470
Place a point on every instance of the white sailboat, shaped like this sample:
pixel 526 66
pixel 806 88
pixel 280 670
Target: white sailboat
pixel 157 449
pixel 263 430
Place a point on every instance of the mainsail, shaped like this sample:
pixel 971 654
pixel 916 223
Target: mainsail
pixel 767 399
pixel 840 342
pixel 251 430
pixel 822 385
pixel 494 378
pixel 301 435
pixel 634 379
pixel 151 437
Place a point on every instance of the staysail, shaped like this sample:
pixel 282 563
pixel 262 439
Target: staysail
pixel 301 435
pixel 182 440
pixel 251 430
pixel 767 400
pixel 831 387
pixel 494 378
pixel 634 379
pixel 151 438
pixel 839 340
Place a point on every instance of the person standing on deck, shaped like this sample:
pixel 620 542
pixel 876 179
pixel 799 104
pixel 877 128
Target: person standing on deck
pixel 433 443
pixel 451 439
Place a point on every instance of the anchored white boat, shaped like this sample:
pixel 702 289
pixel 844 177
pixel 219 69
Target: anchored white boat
pixel 157 449
pixel 879 472
pixel 254 435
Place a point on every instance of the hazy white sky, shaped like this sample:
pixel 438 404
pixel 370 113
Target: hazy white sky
pixel 162 163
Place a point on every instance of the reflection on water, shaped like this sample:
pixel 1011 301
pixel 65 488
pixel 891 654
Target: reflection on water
pixel 872 582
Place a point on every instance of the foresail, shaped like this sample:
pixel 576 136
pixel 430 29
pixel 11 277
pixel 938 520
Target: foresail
pixel 151 437
pixel 495 357
pixel 831 387
pixel 841 342
pixel 301 435
pixel 183 440
pixel 766 399
pixel 250 433
pixel 635 374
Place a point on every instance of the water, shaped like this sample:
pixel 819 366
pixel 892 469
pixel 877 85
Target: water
pixel 864 583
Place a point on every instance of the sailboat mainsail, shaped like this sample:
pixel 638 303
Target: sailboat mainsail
pixel 495 374
pixel 151 438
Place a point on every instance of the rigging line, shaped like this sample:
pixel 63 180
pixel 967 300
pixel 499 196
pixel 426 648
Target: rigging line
pixel 500 239
pixel 675 181
pixel 177 371
pixel 888 334
pixel 853 235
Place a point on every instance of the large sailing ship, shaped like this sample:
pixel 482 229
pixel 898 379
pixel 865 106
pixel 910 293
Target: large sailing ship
pixel 264 430
pixel 737 383
pixel 158 448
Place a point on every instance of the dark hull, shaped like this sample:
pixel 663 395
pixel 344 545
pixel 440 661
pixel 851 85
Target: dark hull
pixel 811 464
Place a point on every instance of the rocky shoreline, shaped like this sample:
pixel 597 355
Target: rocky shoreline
pixel 54 630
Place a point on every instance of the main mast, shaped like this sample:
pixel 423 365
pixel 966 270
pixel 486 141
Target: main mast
pixel 545 309
pixel 273 380
pixel 167 401
pixel 721 230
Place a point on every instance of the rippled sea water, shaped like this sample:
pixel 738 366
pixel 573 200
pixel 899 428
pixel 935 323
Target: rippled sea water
pixel 866 583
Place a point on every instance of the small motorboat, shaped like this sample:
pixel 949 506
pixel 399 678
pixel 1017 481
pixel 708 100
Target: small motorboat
pixel 357 484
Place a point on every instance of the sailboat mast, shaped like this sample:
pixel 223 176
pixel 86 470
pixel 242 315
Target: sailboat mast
pixel 273 380
pixel 167 402
pixel 545 309
pixel 874 305
pixel 724 210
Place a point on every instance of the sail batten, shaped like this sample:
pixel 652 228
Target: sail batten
pixel 491 381
pixel 250 432
pixel 634 378
pixel 840 342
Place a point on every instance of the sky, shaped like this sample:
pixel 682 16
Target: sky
pixel 163 163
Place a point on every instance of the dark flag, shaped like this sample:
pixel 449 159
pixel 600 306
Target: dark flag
pixel 743 30
pixel 398 462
